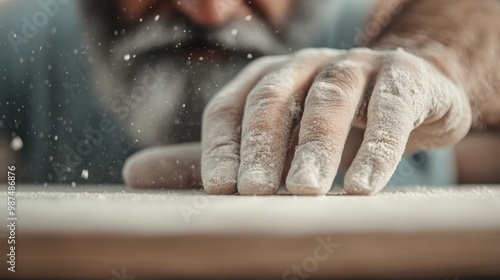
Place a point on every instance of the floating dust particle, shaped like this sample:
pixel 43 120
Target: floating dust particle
pixel 85 174
pixel 16 144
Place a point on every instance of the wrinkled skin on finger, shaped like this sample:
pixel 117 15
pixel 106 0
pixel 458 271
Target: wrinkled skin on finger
pixel 400 100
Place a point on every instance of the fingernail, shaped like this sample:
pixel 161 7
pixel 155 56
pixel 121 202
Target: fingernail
pixel 307 181
pixel 257 181
pixel 219 186
pixel 358 180
pixel 221 179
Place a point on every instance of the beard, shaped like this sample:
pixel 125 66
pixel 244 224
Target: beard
pixel 155 78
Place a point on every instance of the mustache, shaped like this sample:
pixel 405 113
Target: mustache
pixel 248 37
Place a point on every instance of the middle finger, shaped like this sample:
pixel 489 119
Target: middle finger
pixel 272 110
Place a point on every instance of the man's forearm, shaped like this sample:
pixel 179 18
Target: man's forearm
pixel 462 39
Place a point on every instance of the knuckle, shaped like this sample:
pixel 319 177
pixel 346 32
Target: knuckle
pixel 267 92
pixel 219 108
pixel 328 94
pixel 400 85
pixel 274 87
pixel 336 85
pixel 344 75
pixel 401 59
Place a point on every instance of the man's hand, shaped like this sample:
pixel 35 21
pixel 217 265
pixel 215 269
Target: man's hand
pixel 424 97
pixel 398 98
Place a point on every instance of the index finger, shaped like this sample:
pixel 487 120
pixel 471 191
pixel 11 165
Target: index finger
pixel 221 128
pixel 272 111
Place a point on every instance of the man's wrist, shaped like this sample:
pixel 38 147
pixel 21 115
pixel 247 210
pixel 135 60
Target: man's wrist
pixel 465 51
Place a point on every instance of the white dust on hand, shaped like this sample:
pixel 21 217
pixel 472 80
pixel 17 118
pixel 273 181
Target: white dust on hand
pixel 409 92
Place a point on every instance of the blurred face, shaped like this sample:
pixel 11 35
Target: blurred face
pixel 157 63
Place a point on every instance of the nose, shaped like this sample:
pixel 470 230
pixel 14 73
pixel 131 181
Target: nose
pixel 210 12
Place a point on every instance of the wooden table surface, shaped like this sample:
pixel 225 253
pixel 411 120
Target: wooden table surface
pixel 112 232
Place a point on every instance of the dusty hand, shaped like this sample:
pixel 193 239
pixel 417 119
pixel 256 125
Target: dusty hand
pixel 398 98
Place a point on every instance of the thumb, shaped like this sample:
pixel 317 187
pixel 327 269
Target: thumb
pixel 172 167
